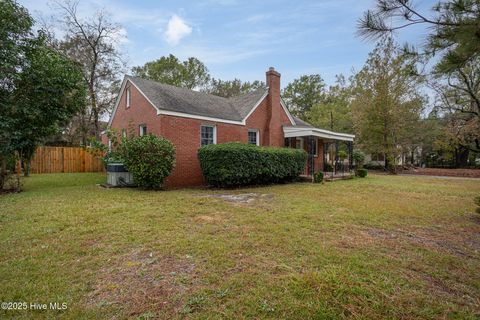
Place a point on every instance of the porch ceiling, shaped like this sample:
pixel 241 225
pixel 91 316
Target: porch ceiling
pixel 297 131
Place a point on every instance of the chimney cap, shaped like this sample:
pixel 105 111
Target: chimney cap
pixel 271 69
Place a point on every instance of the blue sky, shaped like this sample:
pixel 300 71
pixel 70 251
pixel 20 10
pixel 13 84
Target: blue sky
pixel 241 39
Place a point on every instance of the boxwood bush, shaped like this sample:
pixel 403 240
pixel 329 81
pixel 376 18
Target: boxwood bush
pixel 236 164
pixel 149 158
pixel 361 172
pixel 318 177
pixel 328 167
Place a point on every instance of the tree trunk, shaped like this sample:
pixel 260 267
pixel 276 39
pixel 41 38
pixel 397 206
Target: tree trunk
pixel 26 168
pixel 461 159
pixel 3 171
pixel 18 171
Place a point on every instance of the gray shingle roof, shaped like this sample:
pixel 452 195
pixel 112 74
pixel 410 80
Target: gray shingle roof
pixel 300 122
pixel 171 98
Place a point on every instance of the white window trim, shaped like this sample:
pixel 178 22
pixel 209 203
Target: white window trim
pixel 214 132
pixel 140 129
pixel 316 147
pixel 257 132
pixel 128 97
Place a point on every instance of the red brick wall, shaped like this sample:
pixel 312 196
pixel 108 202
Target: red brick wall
pixel 318 160
pixel 139 112
pixel 276 116
pixel 184 133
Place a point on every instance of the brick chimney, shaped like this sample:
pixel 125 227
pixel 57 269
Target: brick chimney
pixel 273 102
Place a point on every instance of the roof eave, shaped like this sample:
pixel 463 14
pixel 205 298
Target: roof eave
pixel 302 131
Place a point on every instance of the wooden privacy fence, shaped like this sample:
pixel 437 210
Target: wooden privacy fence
pixel 64 159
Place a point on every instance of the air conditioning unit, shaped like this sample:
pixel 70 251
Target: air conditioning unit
pixel 118 176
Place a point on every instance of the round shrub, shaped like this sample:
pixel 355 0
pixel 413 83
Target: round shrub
pixel 362 173
pixel 149 158
pixel 236 164
pixel 328 167
pixel 318 177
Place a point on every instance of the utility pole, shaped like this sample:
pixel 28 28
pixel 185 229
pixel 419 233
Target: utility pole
pixel 331 120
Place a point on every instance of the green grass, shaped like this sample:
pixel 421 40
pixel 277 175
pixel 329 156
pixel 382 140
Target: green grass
pixel 380 247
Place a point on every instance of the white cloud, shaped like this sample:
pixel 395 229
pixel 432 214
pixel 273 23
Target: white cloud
pixel 177 29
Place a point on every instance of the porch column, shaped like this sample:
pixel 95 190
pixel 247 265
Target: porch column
pixel 311 156
pixel 350 155
pixel 336 158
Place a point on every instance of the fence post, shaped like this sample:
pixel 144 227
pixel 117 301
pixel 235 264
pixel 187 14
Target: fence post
pixel 62 155
pixel 82 153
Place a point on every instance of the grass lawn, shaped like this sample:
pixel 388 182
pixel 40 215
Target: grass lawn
pixel 381 247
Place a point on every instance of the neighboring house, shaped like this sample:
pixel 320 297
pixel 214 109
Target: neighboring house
pixel 191 119
pixel 410 158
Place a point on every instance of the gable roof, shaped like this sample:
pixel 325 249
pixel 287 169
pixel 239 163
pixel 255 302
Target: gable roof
pixel 171 100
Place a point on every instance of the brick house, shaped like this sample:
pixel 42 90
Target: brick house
pixel 191 119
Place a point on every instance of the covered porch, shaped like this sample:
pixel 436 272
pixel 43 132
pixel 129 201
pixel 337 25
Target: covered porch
pixel 328 151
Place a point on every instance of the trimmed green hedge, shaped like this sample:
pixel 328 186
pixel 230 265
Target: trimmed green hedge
pixel 149 158
pixel 236 164
pixel 362 173
pixel 318 177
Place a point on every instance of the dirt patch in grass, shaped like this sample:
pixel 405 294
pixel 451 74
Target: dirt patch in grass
pixel 451 243
pixel 470 173
pixel 141 282
pixel 241 199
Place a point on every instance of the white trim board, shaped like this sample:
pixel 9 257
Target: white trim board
pixel 291 132
pixel 193 116
pixel 289 115
pixel 256 106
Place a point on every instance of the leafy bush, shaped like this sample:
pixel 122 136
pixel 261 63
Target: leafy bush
pixel 359 158
pixel 235 164
pixel 9 181
pixel 361 172
pixel 318 177
pixel 105 153
pixel 328 167
pixel 342 154
pixel 149 158
pixel 373 166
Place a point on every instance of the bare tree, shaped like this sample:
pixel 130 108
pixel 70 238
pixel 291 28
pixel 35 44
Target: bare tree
pixel 93 43
pixel 458 94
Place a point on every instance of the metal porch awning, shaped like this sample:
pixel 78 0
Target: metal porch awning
pixel 299 131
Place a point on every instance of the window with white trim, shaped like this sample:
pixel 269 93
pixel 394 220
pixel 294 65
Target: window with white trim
pixel 142 129
pixel 128 98
pixel 254 136
pixel 208 135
